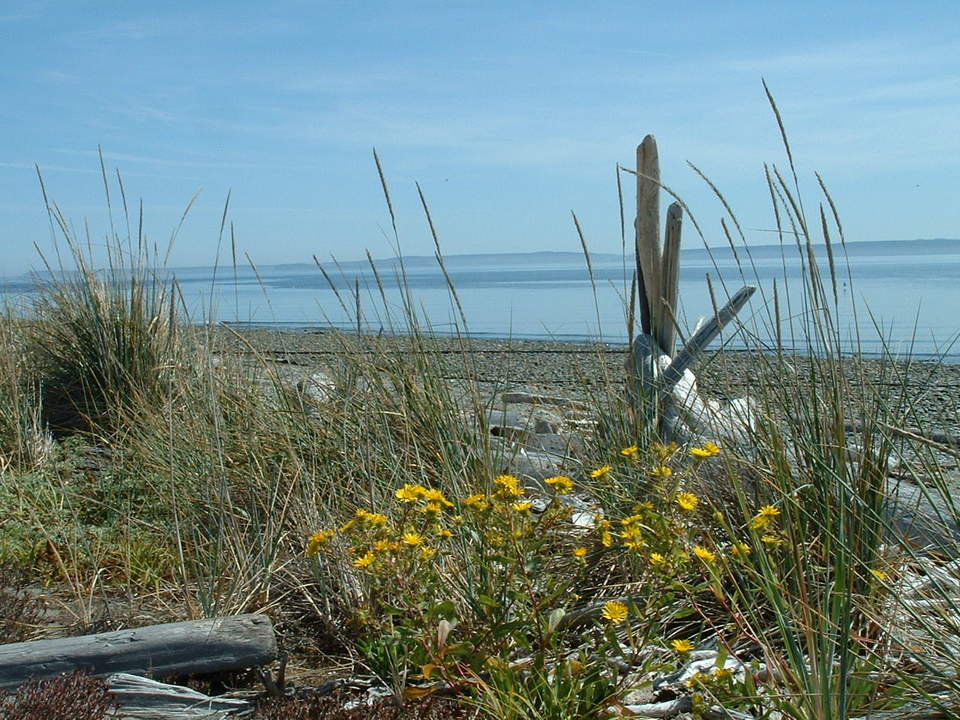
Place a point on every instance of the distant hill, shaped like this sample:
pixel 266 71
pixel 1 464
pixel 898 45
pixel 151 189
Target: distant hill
pixel 421 263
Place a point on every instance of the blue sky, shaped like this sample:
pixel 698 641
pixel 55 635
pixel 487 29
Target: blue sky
pixel 509 114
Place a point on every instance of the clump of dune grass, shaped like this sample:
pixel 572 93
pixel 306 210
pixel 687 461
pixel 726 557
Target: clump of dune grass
pixel 101 340
pixel 24 439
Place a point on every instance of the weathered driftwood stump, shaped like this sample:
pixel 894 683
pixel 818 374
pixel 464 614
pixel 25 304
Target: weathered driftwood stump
pixel 661 386
pixel 174 649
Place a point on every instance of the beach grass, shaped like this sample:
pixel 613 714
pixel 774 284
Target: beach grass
pixel 387 533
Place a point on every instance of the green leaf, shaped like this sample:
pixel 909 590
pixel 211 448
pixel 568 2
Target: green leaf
pixel 446 610
pixel 555 617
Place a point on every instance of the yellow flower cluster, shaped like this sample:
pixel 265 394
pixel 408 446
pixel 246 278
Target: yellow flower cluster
pixel 560 483
pixel 633 532
pixel 708 450
pixel 687 501
pixel 507 486
pixel 318 540
pixel 764 517
pixel 429 501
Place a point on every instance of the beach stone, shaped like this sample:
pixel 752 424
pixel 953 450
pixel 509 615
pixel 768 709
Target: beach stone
pixel 521 426
pixel 922 518
pixel 559 444
pixel 317 386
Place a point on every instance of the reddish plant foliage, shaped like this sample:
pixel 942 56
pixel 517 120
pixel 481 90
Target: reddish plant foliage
pixel 20 612
pixel 75 697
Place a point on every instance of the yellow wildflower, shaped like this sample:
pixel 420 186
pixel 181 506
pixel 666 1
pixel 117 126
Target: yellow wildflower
pixel 687 501
pixel 682 646
pixel 630 452
pixel 444 533
pixel 509 485
pixel 365 560
pixel 740 549
pixel 412 539
pixel 769 511
pixel 427 552
pixel 700 453
pixel 772 540
pixel 410 493
pixel 348 526
pixel 436 496
pixel 601 472
pixel 657 559
pixel 432 508
pixel 711 448
pixel 560 483
pixel 615 612
pixel 477 501
pixel 580 552
pixel 879 574
pixel 376 519
pixel 522 507
pixel 606 539
pixel 764 516
pixel 661 471
pixel 722 673
pixel 704 554
pixel 318 540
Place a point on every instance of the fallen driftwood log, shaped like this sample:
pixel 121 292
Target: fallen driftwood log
pixel 194 647
pixel 140 698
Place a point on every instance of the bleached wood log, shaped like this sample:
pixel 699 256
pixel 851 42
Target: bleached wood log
pixel 648 232
pixel 666 325
pixel 140 698
pixel 705 335
pixel 183 648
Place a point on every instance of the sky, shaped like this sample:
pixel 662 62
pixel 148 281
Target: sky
pixel 509 115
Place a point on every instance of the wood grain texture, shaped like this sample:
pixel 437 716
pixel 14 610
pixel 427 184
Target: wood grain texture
pixel 648 231
pixel 705 335
pixel 183 648
pixel 666 323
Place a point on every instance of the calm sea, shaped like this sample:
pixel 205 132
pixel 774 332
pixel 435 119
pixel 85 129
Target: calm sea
pixel 902 296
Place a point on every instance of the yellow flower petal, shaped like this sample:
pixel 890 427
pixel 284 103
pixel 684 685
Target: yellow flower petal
pixel 616 612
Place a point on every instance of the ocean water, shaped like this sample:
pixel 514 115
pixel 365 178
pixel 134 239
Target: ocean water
pixel 896 297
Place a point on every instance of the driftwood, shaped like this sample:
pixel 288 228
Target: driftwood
pixel 173 649
pixel 661 387
pixel 140 698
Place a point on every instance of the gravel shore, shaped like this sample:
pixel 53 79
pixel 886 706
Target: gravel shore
pixel 931 390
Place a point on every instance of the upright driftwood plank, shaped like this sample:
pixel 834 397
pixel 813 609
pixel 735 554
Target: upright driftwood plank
pixel 183 648
pixel 666 327
pixel 648 231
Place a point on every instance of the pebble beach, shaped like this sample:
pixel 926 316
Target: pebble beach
pixel 928 392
